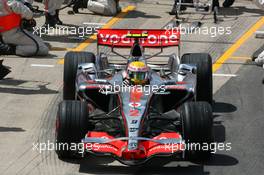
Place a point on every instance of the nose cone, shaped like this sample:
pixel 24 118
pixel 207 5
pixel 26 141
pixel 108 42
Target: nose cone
pixel 134 103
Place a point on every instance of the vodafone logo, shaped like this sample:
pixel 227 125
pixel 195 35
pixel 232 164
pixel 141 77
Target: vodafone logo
pixel 151 40
pixel 115 38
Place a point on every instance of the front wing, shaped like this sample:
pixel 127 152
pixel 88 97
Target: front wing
pixel 165 143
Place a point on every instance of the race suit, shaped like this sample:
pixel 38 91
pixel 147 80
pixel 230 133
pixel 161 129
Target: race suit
pixel 260 59
pixel 104 7
pixel 53 5
pixel 11 14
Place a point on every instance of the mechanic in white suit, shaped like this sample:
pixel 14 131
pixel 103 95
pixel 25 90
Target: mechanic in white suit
pixel 19 41
pixel 52 8
pixel 102 7
pixel 260 60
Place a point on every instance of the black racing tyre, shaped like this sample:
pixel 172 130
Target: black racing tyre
pixel 71 61
pixel 197 128
pixel 72 124
pixel 203 62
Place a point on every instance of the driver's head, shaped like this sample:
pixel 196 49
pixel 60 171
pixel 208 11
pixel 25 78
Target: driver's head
pixel 138 73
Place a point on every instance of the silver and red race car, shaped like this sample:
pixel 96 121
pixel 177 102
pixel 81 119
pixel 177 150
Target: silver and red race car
pixel 111 117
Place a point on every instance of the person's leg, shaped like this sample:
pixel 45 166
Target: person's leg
pixel 216 3
pixel 104 7
pixel 96 7
pixel 50 8
pixel 118 8
pixel 260 59
pixel 26 43
pixel 58 6
pixel 80 4
pixel 110 7
pixel 6 49
pixel 174 8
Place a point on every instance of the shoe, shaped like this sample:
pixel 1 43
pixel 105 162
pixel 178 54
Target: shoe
pixel 228 3
pixel 206 8
pixel 51 20
pixel 174 10
pixel 79 4
pixel 6 49
pixel 3 70
pixel 183 8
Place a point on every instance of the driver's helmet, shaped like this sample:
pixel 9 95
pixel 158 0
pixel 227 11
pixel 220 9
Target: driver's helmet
pixel 137 72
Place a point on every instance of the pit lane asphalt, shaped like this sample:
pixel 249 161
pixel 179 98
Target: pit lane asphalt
pixel 30 95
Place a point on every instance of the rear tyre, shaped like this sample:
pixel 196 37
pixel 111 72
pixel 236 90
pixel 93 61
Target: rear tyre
pixel 71 126
pixel 197 129
pixel 203 62
pixel 71 62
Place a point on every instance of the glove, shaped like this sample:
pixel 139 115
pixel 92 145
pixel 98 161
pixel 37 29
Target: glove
pixel 28 24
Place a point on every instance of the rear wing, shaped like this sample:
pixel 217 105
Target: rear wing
pixel 154 38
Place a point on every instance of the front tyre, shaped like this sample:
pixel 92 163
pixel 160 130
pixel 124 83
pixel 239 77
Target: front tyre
pixel 71 62
pixel 197 128
pixel 71 126
pixel 203 62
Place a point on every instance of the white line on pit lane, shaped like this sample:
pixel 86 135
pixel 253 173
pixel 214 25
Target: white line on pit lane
pixel 42 65
pixel 92 23
pixel 224 75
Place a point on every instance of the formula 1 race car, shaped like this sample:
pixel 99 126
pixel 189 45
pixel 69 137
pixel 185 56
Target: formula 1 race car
pixel 110 113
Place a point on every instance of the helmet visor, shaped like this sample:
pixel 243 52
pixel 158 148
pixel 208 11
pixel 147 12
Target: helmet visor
pixel 138 77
